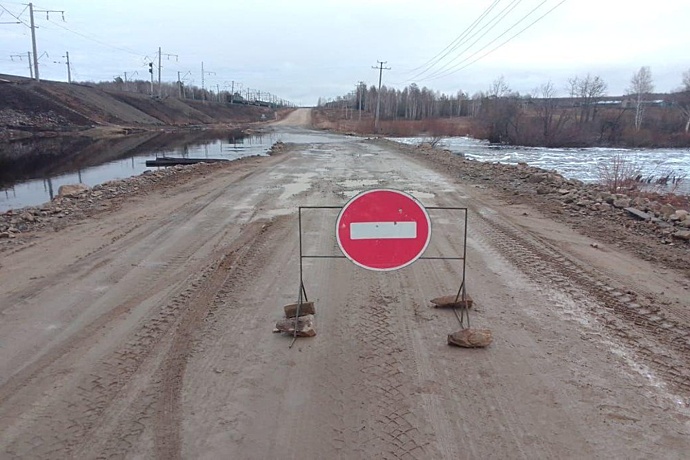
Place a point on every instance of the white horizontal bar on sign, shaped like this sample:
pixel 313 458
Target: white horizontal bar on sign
pixel 382 230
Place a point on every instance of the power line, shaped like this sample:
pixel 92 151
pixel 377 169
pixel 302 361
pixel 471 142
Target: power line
pixel 456 70
pixel 449 68
pixel 95 40
pixel 17 17
pixel 493 23
pixel 459 37
pixel 499 18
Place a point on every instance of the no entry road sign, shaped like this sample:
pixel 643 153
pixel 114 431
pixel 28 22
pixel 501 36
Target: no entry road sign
pixel 383 229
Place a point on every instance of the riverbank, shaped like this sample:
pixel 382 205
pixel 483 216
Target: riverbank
pixel 662 237
pixel 594 134
pixel 18 227
pixel 48 109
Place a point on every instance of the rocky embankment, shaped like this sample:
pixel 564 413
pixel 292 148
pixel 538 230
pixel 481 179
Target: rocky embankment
pixel 76 202
pixel 655 227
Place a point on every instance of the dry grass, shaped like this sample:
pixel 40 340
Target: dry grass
pixel 333 119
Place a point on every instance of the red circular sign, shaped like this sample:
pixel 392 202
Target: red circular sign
pixel 383 229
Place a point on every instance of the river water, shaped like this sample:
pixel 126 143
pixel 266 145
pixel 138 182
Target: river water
pixel 32 171
pixel 572 163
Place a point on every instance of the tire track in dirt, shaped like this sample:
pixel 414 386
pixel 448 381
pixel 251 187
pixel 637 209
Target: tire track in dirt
pixel 81 411
pixel 104 419
pixel 127 235
pixel 383 364
pixel 157 407
pixel 147 285
pixel 661 342
pixel 329 394
pixel 167 423
pixel 440 387
pixel 64 426
pixel 231 312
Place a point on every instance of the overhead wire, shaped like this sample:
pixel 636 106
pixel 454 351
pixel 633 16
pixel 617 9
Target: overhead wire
pixel 449 68
pixel 96 40
pixel 456 69
pixel 446 68
pixel 495 21
pixel 459 37
pixel 18 16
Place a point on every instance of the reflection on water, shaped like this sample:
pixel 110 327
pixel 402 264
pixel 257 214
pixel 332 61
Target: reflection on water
pixel 31 172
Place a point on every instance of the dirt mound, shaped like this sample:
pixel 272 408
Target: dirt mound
pixel 28 107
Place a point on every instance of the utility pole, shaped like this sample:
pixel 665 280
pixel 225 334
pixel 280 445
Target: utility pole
pixel 127 79
pixel 69 70
pixel 160 64
pixel 378 93
pixel 181 85
pixel 33 33
pixel 21 58
pixel 160 68
pixel 33 39
pixel 203 75
pixel 359 90
pixel 232 93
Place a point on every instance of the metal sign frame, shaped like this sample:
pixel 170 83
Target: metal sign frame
pixel 462 291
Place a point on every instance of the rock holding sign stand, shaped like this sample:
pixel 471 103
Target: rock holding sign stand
pixel 303 324
pixel 471 338
pixel 305 308
pixel 300 326
pixel 452 301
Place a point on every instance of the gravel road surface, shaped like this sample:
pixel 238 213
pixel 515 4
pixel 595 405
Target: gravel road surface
pixel 146 332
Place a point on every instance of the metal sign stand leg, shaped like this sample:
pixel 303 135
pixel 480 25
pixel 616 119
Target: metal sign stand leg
pixel 302 294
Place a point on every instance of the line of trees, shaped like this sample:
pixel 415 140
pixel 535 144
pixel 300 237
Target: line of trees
pixel 584 115
pixel 411 103
pixel 183 91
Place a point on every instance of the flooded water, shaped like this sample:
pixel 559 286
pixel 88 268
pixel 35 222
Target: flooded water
pixel 573 163
pixel 31 172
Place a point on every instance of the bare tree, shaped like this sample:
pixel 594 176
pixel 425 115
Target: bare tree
pixel 640 87
pixel 589 90
pixel 686 80
pixel 681 99
pixel 499 88
pixel 546 108
pixel 571 87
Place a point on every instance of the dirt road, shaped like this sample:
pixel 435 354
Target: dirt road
pixel 146 333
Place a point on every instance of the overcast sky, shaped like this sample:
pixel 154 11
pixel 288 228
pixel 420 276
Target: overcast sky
pixel 301 50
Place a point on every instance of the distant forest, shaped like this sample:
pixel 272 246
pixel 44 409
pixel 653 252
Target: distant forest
pixel 226 94
pixel 581 115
